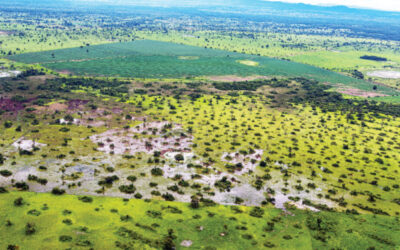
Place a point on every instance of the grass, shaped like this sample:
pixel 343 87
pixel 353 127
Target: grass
pixel 357 151
pixel 153 59
pixel 105 222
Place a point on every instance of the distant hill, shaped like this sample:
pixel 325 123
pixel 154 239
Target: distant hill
pixel 364 22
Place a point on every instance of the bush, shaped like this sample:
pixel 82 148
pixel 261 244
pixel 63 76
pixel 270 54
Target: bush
pixel 30 228
pixel 58 191
pixel 2 159
pixel 19 202
pixel 168 197
pixel 86 199
pixel 8 124
pixel 179 157
pixel 34 212
pixel 194 203
pixel 257 212
pixel 108 181
pixel 157 172
pixel 131 178
pixel 5 173
pixel 128 189
pixel 21 186
pixel 65 238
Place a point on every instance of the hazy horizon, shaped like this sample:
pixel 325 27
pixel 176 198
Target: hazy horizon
pixel 385 5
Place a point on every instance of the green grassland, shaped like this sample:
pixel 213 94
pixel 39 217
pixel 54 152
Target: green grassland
pixel 296 138
pixel 153 59
pixel 109 223
pixel 349 156
pixel 333 53
pixel 343 162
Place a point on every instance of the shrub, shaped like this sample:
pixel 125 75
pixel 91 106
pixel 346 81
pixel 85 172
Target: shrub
pixel 269 244
pixel 64 129
pixel 86 199
pixel 22 186
pixel 30 228
pixel 257 212
pixel 19 202
pixel 157 172
pixel 8 124
pixel 65 238
pixel 5 173
pixel 194 203
pixel 3 190
pixel 131 178
pixel 58 191
pixel 168 197
pixel 179 157
pixel 108 181
pixel 128 189
pixel 34 212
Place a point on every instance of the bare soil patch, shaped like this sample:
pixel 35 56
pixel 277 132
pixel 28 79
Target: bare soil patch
pixel 385 74
pixel 9 105
pixel 76 104
pixel 359 92
pixel 233 78
pixel 162 136
pixel 65 72
pixel 248 63
pixel 25 144
pixel 247 162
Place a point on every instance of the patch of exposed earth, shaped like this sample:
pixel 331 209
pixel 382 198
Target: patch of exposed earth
pixel 28 145
pixel 233 78
pixel 12 73
pixel 385 74
pixel 4 33
pixel 82 177
pixel 243 163
pixel 359 92
pixel 8 104
pixel 161 136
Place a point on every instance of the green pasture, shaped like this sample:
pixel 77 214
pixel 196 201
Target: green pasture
pixel 154 59
pixel 66 222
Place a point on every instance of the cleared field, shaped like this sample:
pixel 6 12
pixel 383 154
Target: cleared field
pixel 154 59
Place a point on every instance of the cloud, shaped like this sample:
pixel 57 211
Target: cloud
pixel 391 5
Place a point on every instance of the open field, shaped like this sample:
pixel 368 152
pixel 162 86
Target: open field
pixel 153 59
pixel 108 223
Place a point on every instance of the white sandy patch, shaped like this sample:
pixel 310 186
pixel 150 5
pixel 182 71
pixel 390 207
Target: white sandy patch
pixel 128 141
pixel 186 243
pixel 186 155
pixel 28 145
pixel 245 160
pixel 385 74
pixel 181 169
pixel 11 73
pixel 75 121
pixel 250 196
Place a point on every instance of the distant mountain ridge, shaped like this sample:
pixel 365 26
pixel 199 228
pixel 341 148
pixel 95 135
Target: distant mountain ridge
pixel 368 23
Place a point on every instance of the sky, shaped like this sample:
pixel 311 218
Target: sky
pixel 391 5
